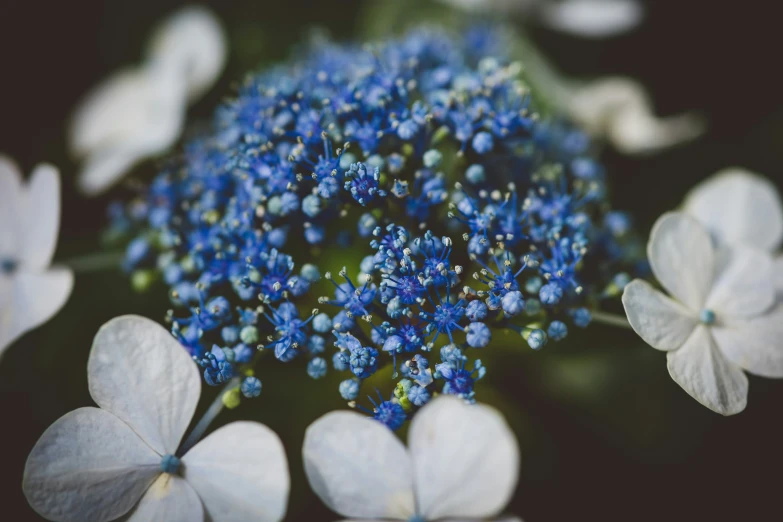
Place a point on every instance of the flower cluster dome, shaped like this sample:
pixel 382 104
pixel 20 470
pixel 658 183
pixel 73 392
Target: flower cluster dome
pixel 395 203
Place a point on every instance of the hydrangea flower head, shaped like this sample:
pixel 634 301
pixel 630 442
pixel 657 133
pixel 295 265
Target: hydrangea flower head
pixel 470 212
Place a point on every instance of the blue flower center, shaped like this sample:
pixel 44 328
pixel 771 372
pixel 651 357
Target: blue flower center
pixel 707 317
pixel 416 518
pixel 8 265
pixel 169 464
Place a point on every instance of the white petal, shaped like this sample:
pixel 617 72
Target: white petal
pixel 358 467
pixel 702 371
pixel 110 112
pixel 10 201
pixel 158 119
pixel 192 42
pixel 497 6
pixel 40 217
pixel 778 269
pixel 739 208
pixel 465 460
pixel 140 373
pixel 682 258
pixel 168 499
pixel 595 104
pixel 636 130
pixel 241 473
pixel 88 465
pixel 743 284
pixel 662 322
pixel 30 300
pixel 593 18
pixel 755 345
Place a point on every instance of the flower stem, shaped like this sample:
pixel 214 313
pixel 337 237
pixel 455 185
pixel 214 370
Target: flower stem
pixel 610 319
pixel 94 262
pixel 214 409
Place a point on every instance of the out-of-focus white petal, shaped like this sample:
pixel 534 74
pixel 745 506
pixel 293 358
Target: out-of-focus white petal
pixel 140 373
pixel 110 112
pixel 465 460
pixel 358 467
pixel 755 345
pixel 168 499
pixel 739 208
pixel 10 200
pixel 682 258
pixel 191 42
pixel 592 18
pixel 636 130
pixel 778 269
pixel 702 371
pixel 662 322
pixel 31 299
pixel 743 284
pixel 620 110
pixel 88 465
pixel 499 6
pixel 158 115
pixel 240 473
pixel 40 216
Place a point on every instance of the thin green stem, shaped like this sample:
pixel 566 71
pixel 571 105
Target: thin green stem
pixel 610 319
pixel 214 409
pixel 94 262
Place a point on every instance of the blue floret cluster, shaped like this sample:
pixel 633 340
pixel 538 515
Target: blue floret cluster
pixel 391 204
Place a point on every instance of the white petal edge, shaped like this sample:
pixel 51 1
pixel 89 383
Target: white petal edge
pixel 465 460
pixel 88 465
pixel 755 345
pixel 192 42
pixel 358 467
pixel 662 322
pixel 40 217
pixel 682 258
pixel 743 286
pixel 140 373
pixel 592 18
pixel 240 472
pixel 169 499
pixel 778 269
pixel 34 299
pixel 705 374
pixel 739 208
pixel 10 200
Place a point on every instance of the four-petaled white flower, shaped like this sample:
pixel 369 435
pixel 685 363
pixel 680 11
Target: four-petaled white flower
pixel 120 460
pixel 31 292
pixel 722 318
pixel 139 112
pixel 462 463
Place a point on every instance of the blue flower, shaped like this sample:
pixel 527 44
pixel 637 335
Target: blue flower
pixel 251 387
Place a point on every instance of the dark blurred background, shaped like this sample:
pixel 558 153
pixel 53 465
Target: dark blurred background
pixel 605 433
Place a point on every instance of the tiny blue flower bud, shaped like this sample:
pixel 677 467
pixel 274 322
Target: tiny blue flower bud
pixel 349 389
pixel 322 323
pixel 170 464
pixel 707 317
pixel 537 339
pixel 432 158
pixel 316 368
pixel 582 317
pixel 251 387
pixel 478 335
pixel 475 174
pixel 310 272
pixel 513 303
pixel 551 294
pixel 483 142
pixel 557 330
pixel 476 311
pixel 249 335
